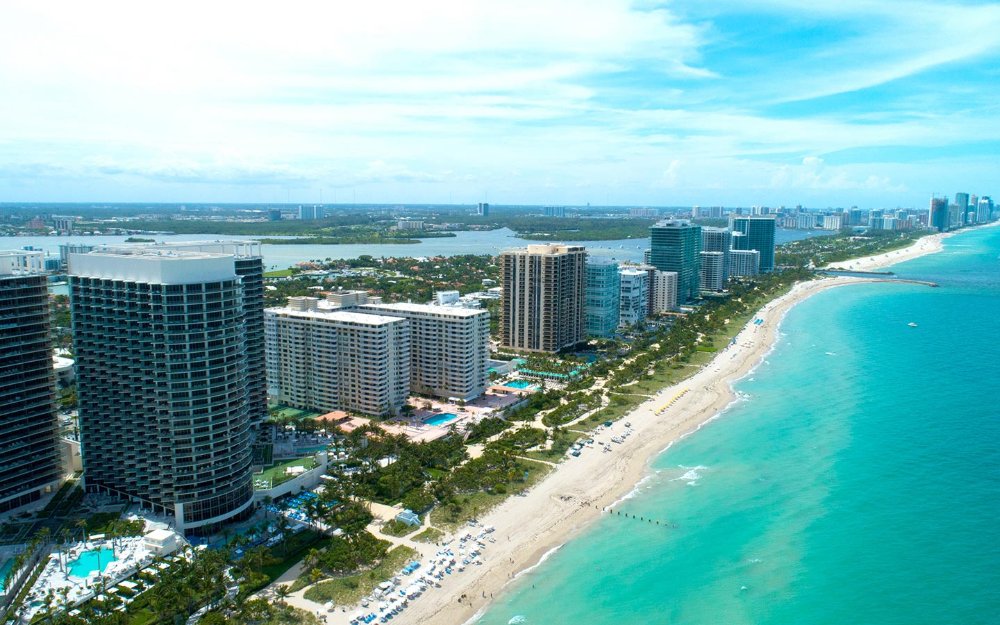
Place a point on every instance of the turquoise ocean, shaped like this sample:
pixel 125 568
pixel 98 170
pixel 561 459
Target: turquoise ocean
pixel 857 482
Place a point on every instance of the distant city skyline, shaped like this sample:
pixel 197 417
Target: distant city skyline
pixel 545 102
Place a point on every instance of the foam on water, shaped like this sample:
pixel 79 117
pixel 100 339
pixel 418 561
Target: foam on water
pixel 691 475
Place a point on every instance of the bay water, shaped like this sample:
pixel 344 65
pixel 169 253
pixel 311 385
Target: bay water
pixel 857 481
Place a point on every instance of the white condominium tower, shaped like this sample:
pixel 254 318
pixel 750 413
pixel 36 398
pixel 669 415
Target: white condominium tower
pixel 166 408
pixel 542 307
pixel 634 299
pixel 449 348
pixel 323 358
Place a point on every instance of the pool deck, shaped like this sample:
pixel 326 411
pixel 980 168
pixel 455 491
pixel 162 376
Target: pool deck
pixel 131 556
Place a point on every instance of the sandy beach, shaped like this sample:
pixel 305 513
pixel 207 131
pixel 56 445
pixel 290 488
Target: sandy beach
pixel 581 489
pixel 929 244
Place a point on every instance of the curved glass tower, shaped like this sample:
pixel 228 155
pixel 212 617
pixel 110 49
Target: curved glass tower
pixel 166 407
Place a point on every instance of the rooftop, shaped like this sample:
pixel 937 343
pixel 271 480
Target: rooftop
pixel 335 314
pixel 447 311
pixel 21 262
pixel 547 248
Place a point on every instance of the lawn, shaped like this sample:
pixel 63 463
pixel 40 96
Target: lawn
pixel 287 412
pixel 279 273
pixel 429 535
pixel 276 474
pixel 350 589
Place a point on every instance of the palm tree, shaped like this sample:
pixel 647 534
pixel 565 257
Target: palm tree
pixel 81 524
pixel 64 537
pixel 282 591
pixel 283 526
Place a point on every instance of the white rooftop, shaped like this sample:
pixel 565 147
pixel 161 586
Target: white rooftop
pixel 335 314
pixel 153 265
pixel 21 262
pixel 447 311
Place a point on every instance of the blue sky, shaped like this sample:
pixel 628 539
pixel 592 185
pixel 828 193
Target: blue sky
pixel 523 101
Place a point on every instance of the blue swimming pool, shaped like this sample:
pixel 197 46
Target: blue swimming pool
pixel 87 562
pixel 519 384
pixel 4 569
pixel 441 418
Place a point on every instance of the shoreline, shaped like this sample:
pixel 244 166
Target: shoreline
pixel 531 528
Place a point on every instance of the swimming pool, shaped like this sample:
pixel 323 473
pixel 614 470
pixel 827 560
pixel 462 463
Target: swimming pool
pixel 4 569
pixel 519 384
pixel 86 562
pixel 441 418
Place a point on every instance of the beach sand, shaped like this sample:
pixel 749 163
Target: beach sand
pixel 580 489
pixel 921 247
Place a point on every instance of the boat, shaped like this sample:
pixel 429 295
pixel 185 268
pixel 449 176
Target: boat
pixel 912 324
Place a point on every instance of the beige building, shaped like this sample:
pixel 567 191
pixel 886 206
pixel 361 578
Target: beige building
pixel 542 307
pixel 449 348
pixel 325 359
pixel 663 291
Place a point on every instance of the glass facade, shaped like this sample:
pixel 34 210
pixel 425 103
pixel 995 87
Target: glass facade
pixel 676 246
pixel 166 408
pixel 29 452
pixel 602 294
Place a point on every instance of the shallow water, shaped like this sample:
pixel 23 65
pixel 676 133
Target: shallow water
pixel 858 483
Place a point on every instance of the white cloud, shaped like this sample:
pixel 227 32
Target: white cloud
pixel 537 99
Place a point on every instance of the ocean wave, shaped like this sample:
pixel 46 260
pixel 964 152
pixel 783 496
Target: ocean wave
pixel 517 619
pixel 541 561
pixel 691 475
pixel 478 615
pixel 637 488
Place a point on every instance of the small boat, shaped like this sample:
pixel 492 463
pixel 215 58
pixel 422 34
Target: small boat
pixel 912 324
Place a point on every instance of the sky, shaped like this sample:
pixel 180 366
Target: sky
pixel 721 102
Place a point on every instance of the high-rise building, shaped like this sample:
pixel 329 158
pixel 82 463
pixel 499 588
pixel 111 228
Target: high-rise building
pixel 758 234
pixel 744 263
pixel 856 217
pixel 328 358
pixel 166 409
pixel 663 291
pixel 554 211
pixel 962 203
pixel 676 246
pixel 712 277
pixel 542 305
pixel 833 222
pixel 449 348
pixel 717 240
pixel 65 249
pixel 938 216
pixel 602 297
pixel 29 449
pixel 250 268
pixel 483 210
pixel 311 213
pixel 984 209
pixel 634 302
